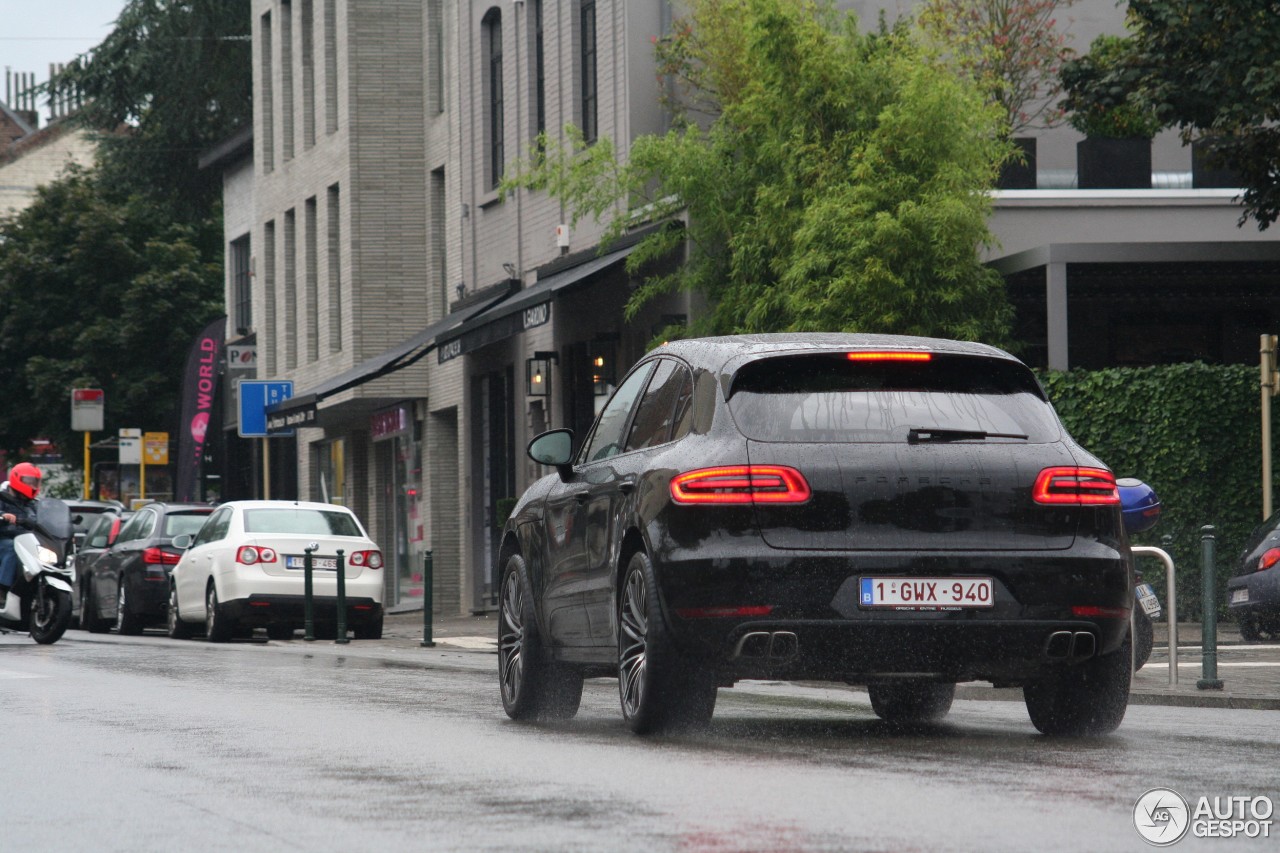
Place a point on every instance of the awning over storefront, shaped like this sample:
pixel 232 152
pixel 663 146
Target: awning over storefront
pixel 300 410
pixel 527 309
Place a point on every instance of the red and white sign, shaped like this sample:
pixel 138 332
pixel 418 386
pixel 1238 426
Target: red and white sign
pixel 87 405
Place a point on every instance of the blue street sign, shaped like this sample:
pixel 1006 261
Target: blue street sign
pixel 255 396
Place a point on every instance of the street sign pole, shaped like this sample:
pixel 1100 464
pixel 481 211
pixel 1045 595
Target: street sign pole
pixel 86 465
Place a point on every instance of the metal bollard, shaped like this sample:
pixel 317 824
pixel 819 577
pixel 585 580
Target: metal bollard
pixel 342 600
pixel 308 611
pixel 428 570
pixel 1209 611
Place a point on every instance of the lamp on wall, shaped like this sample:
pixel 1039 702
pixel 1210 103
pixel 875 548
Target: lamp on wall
pixel 537 373
pixel 601 356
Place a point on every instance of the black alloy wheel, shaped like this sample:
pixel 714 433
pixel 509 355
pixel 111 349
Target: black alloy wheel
pixel 176 628
pixel 217 627
pixel 658 690
pixel 534 687
pixel 127 622
pixel 89 618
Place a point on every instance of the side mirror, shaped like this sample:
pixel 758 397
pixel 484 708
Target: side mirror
pixel 183 541
pixel 554 448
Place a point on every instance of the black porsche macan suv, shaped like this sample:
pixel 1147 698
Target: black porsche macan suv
pixel 901 513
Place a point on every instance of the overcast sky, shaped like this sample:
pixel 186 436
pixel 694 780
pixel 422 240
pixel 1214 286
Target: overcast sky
pixel 34 33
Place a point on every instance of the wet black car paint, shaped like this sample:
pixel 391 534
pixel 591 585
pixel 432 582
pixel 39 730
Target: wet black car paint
pixel 576 534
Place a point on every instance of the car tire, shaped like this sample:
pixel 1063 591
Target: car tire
pixel 1089 698
pixel 371 630
pixel 218 627
pixel 533 686
pixel 1144 637
pixel 659 690
pixel 175 627
pixel 279 632
pixel 911 702
pixel 89 618
pixel 127 622
pixel 1250 631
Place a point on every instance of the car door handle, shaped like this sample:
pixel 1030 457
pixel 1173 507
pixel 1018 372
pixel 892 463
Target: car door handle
pixel 627 487
pixel 581 496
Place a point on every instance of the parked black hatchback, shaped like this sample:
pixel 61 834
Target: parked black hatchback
pixel 1253 595
pixel 129 584
pixel 901 513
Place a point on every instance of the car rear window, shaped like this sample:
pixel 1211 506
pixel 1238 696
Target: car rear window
pixel 829 398
pixel 317 522
pixel 178 523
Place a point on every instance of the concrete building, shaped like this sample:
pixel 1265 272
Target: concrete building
pixel 431 327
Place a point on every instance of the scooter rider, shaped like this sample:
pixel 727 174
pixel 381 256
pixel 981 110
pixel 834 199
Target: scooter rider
pixel 17 515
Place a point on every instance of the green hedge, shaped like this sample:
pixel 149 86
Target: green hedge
pixel 1193 431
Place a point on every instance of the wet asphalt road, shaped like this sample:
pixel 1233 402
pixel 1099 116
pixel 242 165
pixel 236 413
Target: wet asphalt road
pixel 139 744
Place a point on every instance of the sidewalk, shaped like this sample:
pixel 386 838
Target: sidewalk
pixel 1250 672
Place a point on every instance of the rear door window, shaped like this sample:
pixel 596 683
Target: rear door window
pixel 658 407
pixel 829 398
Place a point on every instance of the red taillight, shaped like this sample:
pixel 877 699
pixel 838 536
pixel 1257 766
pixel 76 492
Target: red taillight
pixel 249 555
pixel 740 484
pixel 366 559
pixel 1268 559
pixel 159 557
pixel 1075 486
pixel 723 612
pixel 889 356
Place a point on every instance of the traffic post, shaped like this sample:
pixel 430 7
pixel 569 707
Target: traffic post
pixel 87 406
pixel 342 600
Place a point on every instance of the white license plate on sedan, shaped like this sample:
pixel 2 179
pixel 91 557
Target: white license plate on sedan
pixel 294 561
pixel 1147 597
pixel 926 593
pixel 1239 596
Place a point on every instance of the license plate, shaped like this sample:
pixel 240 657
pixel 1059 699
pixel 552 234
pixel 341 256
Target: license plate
pixel 293 561
pixel 926 593
pixel 1147 598
pixel 1239 596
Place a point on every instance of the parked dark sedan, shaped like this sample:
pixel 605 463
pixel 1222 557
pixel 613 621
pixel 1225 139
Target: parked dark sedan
pixel 98 537
pixel 901 513
pixel 1253 595
pixel 129 584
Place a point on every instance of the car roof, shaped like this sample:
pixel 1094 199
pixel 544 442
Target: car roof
pixel 286 505
pixel 716 352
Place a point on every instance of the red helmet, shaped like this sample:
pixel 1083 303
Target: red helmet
pixel 24 478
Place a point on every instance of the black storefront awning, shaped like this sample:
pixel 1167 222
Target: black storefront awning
pixel 300 410
pixel 526 309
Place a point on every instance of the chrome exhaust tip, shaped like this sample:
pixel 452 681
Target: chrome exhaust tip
pixel 1058 646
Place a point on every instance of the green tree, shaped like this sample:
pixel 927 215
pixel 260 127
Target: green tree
pixel 99 291
pixel 1013 49
pixel 840 185
pixel 1213 69
pixel 172 79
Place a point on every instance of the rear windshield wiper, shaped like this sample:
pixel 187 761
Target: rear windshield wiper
pixel 917 435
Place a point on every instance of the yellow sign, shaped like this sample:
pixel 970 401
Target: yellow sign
pixel 156 447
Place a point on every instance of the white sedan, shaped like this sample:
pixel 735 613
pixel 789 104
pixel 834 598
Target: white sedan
pixel 245 569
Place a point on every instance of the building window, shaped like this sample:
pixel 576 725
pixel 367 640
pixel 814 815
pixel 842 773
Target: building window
pixel 241 289
pixel 308 75
pixel 335 269
pixel 286 79
pixel 590 98
pixel 268 99
pixel 290 289
pixel 330 66
pixel 312 279
pixel 272 337
pixel 439 258
pixel 539 72
pixel 492 31
pixel 435 61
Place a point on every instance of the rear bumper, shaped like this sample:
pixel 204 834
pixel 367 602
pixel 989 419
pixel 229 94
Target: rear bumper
pixel 814 597
pixel 1263 589
pixel 263 610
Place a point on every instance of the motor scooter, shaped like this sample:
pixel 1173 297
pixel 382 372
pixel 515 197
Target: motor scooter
pixel 1141 510
pixel 40 600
